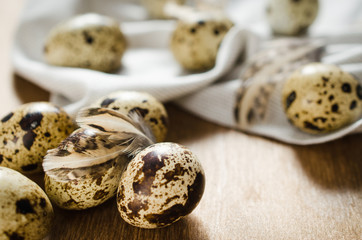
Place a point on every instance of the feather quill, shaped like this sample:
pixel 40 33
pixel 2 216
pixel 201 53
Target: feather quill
pixel 106 138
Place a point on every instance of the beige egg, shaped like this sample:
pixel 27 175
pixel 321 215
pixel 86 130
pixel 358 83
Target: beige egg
pixel 291 17
pixel 86 41
pixel 25 210
pixel 152 110
pixel 97 183
pixel 320 98
pixel 162 184
pixel 29 131
pixel 156 7
pixel 195 41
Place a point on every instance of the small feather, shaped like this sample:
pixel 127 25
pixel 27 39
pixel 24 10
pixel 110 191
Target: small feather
pixel 105 138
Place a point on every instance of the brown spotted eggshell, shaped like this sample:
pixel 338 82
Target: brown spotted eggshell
pixel 320 98
pixel 152 110
pixel 25 210
pixel 162 184
pixel 28 132
pixel 97 183
pixel 86 41
pixel 195 43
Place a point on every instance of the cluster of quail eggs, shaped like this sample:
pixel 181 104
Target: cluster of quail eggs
pixel 96 42
pixel 156 185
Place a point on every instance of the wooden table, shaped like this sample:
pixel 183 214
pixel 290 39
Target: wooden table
pixel 256 188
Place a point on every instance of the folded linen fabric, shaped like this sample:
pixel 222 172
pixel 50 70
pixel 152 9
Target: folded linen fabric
pixel 148 64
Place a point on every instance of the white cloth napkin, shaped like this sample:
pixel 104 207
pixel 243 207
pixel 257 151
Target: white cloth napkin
pixel 148 64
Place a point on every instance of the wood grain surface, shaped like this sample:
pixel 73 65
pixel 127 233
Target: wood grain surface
pixel 256 188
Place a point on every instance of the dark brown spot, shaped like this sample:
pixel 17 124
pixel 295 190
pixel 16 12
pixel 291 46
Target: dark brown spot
pixel 164 120
pixel 23 206
pixel 319 101
pixel 7 117
pixel 331 98
pixel 28 139
pixel 311 126
pixel 154 120
pixel 29 167
pixel 5 142
pixel 201 23
pixel 99 195
pixel 359 91
pixel 47 134
pixel 335 108
pixel 216 32
pixel 173 175
pixel 15 236
pixel 88 38
pixel 296 115
pixel 141 111
pixel 16 151
pixel 99 180
pixel 1 158
pixel 31 121
pixel 290 99
pixel 106 102
pixel 151 164
pixel 43 203
pixel 346 87
pixel 250 116
pixel 135 206
pixel 193 30
pixel 353 105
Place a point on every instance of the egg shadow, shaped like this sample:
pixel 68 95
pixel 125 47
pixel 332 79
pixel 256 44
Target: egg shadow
pixel 334 165
pixel 27 91
pixel 104 222
pixel 185 127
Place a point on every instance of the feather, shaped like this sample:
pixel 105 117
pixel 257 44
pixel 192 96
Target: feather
pixel 106 138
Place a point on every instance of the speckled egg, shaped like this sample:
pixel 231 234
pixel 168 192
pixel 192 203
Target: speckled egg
pixel 156 7
pixel 162 184
pixel 97 183
pixel 25 210
pixel 320 98
pixel 28 132
pixel 291 17
pixel 152 110
pixel 87 41
pixel 195 41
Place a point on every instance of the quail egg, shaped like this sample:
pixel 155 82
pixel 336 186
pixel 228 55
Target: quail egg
pixel 86 41
pixel 28 132
pixel 126 102
pixel 291 17
pixel 25 210
pixel 320 98
pixel 162 184
pixel 195 41
pixel 156 7
pixel 90 185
